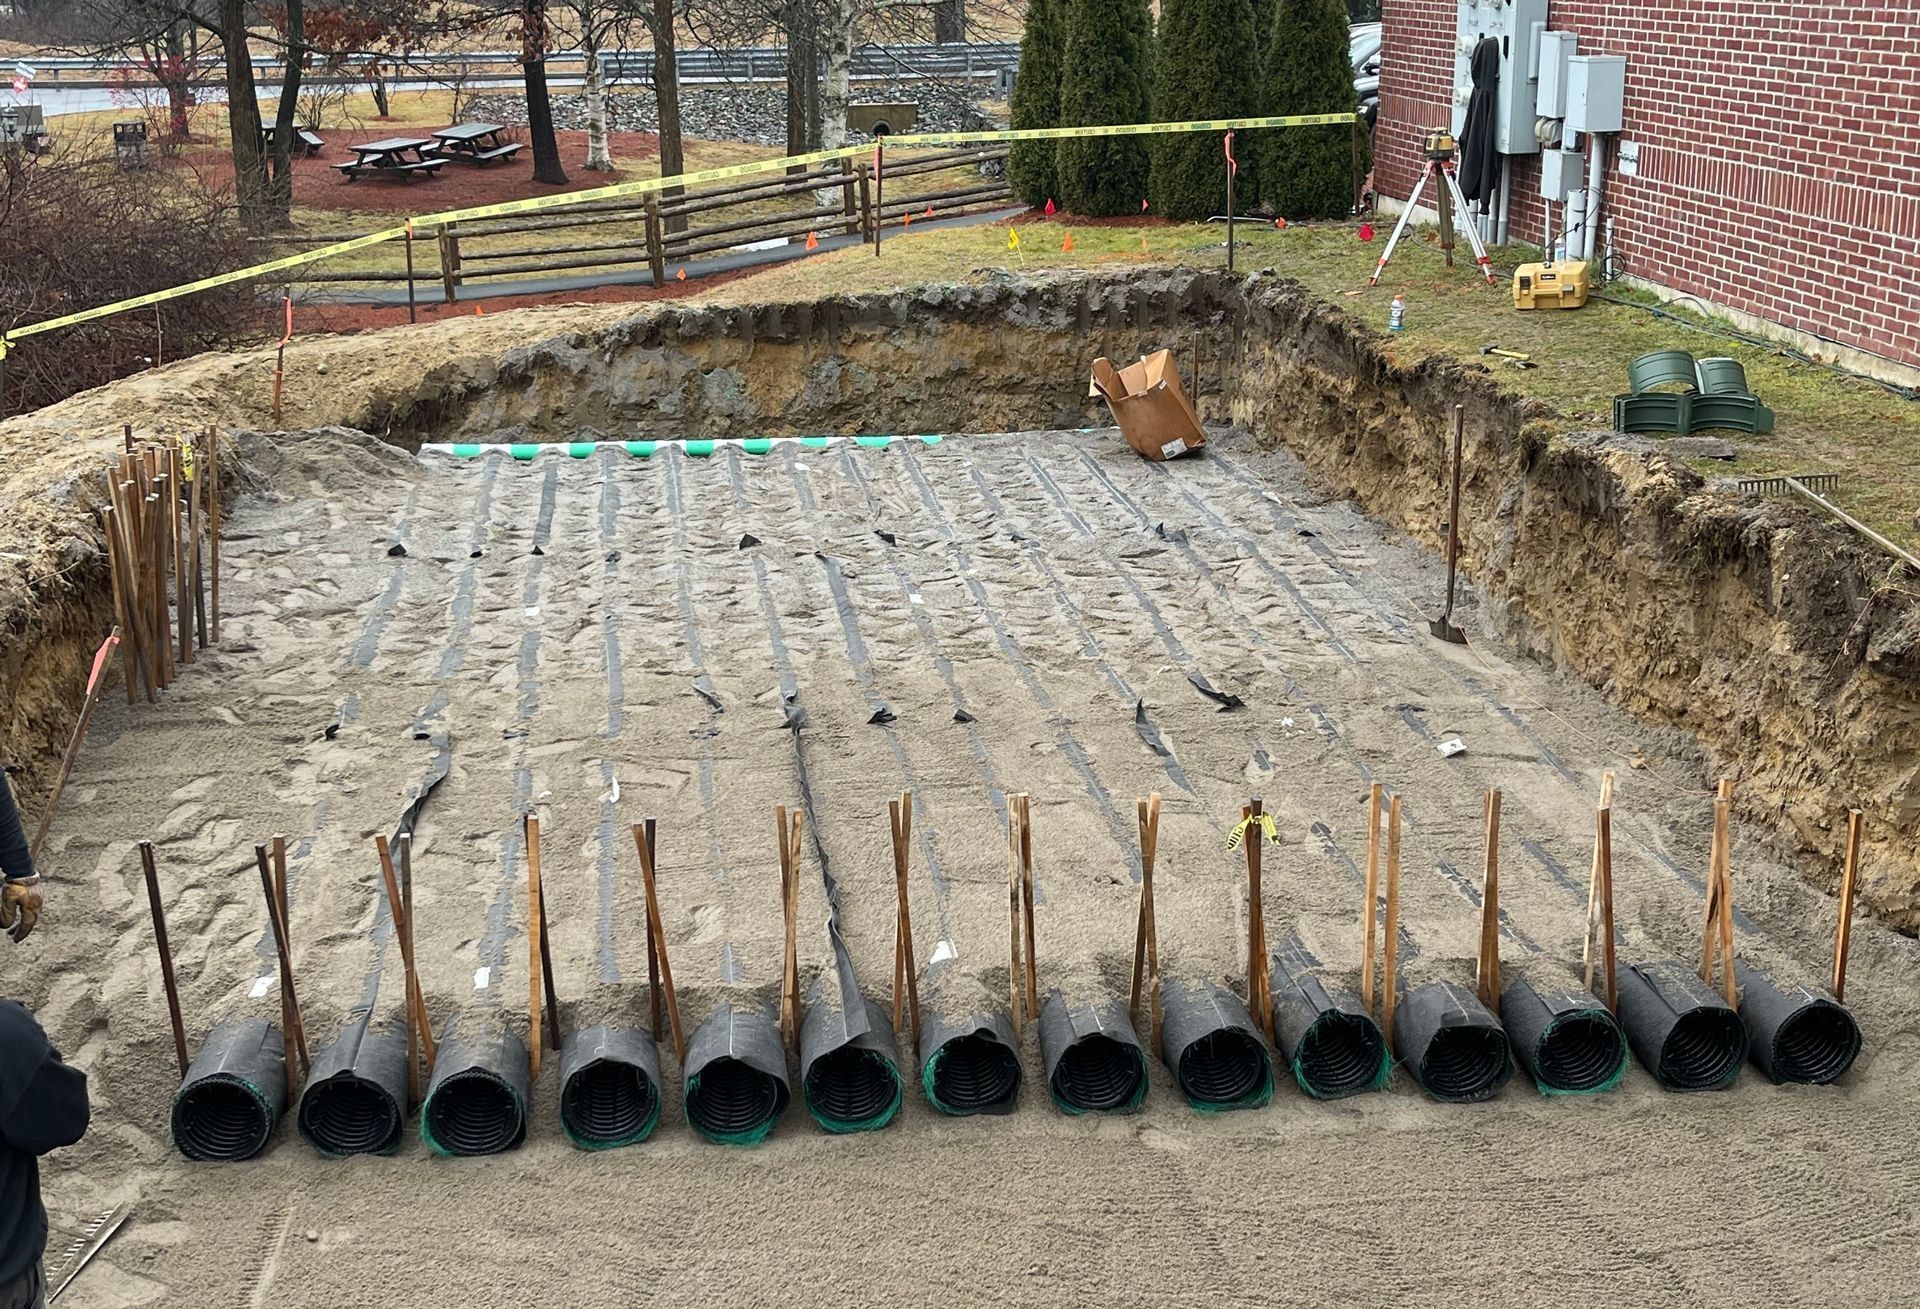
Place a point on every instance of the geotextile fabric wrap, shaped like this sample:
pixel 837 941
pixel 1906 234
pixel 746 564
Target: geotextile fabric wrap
pixel 609 1086
pixel 476 1103
pixel 1208 1040
pixel 1565 1039
pixel 1091 1056
pixel 734 1083
pixel 1326 1036
pixel 232 1095
pixel 850 1083
pixel 1686 1034
pixel 1795 1034
pixel 355 1099
pixel 1451 1043
pixel 969 1065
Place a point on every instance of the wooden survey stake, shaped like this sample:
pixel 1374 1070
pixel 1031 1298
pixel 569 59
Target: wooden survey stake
pixel 1849 875
pixel 1595 882
pixel 1259 982
pixel 540 959
pixel 400 910
pixel 644 837
pixel 1719 922
pixel 906 972
pixel 292 1034
pixel 787 831
pixel 1146 937
pixel 1389 979
pixel 1487 972
pixel 166 954
pixel 1022 969
pixel 1374 793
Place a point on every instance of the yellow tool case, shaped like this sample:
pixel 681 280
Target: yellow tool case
pixel 1550 286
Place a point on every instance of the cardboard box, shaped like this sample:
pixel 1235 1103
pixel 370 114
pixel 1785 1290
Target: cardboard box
pixel 1150 405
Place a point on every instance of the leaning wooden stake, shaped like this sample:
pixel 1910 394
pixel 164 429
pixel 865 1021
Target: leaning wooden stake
pixel 1146 936
pixel 292 1035
pixel 1844 937
pixel 395 915
pixel 400 910
pixel 177 526
pixel 1016 964
pixel 213 530
pixel 94 681
pixel 1389 978
pixel 1604 827
pixel 1259 981
pixel 1487 972
pixel 540 967
pixel 1374 793
pixel 787 830
pixel 906 972
pixel 643 836
pixel 166 954
pixel 1719 922
pixel 1026 897
pixel 1593 882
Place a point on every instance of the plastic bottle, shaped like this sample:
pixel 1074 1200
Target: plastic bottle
pixel 1397 316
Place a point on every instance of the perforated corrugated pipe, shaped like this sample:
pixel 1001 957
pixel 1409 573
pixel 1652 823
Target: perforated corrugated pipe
pixel 609 1086
pixel 355 1099
pixel 1797 1035
pixel 232 1095
pixel 850 1083
pixel 1565 1039
pixel 734 1085
pixel 476 1103
pixel 1685 1033
pixel 1091 1056
pixel 969 1065
pixel 1326 1036
pixel 1451 1043
pixel 1209 1042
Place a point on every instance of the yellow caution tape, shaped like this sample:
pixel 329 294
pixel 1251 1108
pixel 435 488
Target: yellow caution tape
pixel 1240 829
pixel 186 457
pixel 651 185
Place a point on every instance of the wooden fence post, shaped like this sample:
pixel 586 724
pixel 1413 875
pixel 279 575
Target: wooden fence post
pixel 656 247
pixel 850 203
pixel 449 260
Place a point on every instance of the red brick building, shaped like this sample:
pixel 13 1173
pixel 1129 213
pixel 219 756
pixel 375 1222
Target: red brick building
pixel 1778 170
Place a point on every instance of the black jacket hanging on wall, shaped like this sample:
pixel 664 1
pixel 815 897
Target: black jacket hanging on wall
pixel 1479 162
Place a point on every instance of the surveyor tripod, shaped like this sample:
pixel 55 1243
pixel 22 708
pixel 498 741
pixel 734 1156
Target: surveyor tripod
pixel 1439 152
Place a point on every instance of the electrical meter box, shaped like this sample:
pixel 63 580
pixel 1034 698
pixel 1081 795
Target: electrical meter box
pixel 1555 49
pixel 1511 23
pixel 1561 173
pixel 1596 93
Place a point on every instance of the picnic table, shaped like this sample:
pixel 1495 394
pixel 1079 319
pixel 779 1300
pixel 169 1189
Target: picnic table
pixel 398 156
pixel 305 140
pixel 474 143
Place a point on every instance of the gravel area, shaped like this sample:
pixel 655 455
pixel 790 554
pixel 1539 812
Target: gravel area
pixel 756 113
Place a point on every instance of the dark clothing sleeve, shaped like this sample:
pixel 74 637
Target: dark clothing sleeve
pixel 15 860
pixel 43 1106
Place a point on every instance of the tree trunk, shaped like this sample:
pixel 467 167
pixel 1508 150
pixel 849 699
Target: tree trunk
pixel 950 22
pixel 803 79
pixel 666 95
pixel 533 60
pixel 377 83
pixel 176 73
pixel 251 188
pixel 599 151
pixel 280 153
pixel 838 48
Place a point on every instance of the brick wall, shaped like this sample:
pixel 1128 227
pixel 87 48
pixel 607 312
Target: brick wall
pixel 1779 169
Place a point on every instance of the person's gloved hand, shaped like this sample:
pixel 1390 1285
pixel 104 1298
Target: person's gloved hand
pixel 19 907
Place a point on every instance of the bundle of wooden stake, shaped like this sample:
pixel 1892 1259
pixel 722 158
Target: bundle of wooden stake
pixel 163 552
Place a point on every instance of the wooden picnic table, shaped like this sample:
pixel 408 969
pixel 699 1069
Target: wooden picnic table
pixel 474 143
pixel 397 156
pixel 305 140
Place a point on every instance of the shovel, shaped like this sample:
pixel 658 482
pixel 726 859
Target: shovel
pixel 1441 626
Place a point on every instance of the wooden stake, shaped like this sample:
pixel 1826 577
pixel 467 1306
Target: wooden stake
pixel 1719 920
pixel 643 836
pixel 1146 937
pixel 110 528
pixel 1016 967
pixel 213 528
pixel 96 678
pixel 1604 825
pixel 787 828
pixel 182 593
pixel 1259 997
pixel 166 954
pixel 539 963
pixel 1373 895
pixel 399 909
pixel 1593 881
pixel 1843 939
pixel 1026 895
pixel 1487 973
pixel 906 971
pixel 1389 980
pixel 292 1036
pixel 398 916
pixel 194 520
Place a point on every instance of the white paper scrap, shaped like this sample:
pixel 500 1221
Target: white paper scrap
pixel 480 976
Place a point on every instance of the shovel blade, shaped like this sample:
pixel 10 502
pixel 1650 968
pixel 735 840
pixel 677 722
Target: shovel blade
pixel 1447 632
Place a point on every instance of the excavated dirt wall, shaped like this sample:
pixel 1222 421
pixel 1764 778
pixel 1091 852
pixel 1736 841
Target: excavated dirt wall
pixel 1786 647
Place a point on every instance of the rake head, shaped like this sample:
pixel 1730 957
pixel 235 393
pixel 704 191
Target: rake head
pixel 1819 482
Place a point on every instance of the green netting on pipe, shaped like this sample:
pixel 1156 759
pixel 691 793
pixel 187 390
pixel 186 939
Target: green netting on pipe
pixel 1378 1081
pixel 751 1136
pixel 1613 1080
pixel 873 1122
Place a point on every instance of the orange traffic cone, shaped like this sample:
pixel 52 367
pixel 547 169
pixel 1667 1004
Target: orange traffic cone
pixel 680 276
pixel 1066 246
pixel 906 220
pixel 813 240
pixel 478 312
pixel 929 213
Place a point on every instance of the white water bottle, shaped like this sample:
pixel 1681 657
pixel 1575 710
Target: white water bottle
pixel 1397 316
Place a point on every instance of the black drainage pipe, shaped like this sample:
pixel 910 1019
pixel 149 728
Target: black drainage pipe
pixel 1566 1039
pixel 355 1100
pixel 971 1065
pixel 1689 1038
pixel 232 1094
pixel 1091 1056
pixel 850 1082
pixel 476 1103
pixel 1798 1035
pixel 609 1087
pixel 1328 1038
pixel 735 1079
pixel 1208 1040
pixel 1452 1044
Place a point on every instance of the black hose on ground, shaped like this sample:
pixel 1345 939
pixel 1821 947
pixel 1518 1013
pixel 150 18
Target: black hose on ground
pixel 1451 1043
pixel 734 1083
pixel 1566 1039
pixel 970 1065
pixel 1091 1056
pixel 1797 1035
pixel 232 1095
pixel 476 1103
pixel 609 1086
pixel 1685 1033
pixel 1209 1041
pixel 355 1099
pixel 1327 1037
pixel 850 1081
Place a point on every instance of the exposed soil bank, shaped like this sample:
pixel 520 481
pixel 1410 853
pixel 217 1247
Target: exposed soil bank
pixel 1775 638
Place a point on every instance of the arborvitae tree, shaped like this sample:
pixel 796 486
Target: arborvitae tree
pixel 1307 172
pixel 1104 81
pixel 1036 100
pixel 1206 70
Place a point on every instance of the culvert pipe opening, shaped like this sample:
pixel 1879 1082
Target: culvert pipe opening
pixel 609 1087
pixel 231 1097
pixel 735 1081
pixel 1453 1045
pixel 973 1071
pixel 1325 1034
pixel 1092 1057
pixel 355 1099
pixel 1685 1033
pixel 477 1101
pixel 1565 1039
pixel 1215 1052
pixel 849 1077
pixel 1795 1034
